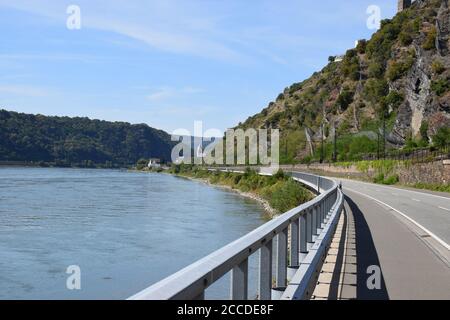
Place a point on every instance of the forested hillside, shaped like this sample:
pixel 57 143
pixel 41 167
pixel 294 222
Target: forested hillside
pixel 68 141
pixel 396 84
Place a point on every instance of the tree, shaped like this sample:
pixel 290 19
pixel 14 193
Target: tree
pixel 424 131
pixel 442 138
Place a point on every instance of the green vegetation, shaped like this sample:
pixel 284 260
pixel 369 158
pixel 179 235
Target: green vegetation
pixel 432 187
pixel 398 69
pixel 437 66
pixel 64 141
pixel 376 89
pixel 344 99
pixel 394 99
pixel 349 148
pixel 141 164
pixel 430 41
pixel 442 138
pixel 279 190
pixel 424 133
pixel 440 86
pixel 380 178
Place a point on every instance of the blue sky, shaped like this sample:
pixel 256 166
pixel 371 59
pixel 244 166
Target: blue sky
pixel 168 63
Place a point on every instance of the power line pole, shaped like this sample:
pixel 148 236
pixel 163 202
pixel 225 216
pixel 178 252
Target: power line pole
pixel 286 150
pixel 335 143
pixel 378 145
pixel 321 148
pixel 384 134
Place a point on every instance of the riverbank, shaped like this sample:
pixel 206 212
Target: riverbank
pixel 278 193
pixel 270 212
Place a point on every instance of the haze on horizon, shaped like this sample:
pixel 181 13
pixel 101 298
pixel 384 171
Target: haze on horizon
pixel 169 63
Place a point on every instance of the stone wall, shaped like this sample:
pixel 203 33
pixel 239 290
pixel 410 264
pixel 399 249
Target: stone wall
pixel 431 173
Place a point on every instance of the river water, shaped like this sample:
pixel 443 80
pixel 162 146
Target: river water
pixel 123 230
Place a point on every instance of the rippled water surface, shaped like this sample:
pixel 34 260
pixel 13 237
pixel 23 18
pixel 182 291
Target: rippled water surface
pixel 124 230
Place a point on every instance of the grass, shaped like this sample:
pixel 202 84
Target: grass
pixel 432 187
pixel 279 190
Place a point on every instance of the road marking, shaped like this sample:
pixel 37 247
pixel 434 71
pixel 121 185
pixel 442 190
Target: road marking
pixel 392 188
pixel 444 208
pixel 435 237
pixel 417 200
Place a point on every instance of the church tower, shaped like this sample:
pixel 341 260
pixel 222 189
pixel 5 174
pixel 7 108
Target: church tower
pixel 403 4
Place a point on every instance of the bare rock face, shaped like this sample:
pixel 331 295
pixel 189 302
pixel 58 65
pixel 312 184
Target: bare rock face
pixel 417 90
pixel 443 29
pixel 421 103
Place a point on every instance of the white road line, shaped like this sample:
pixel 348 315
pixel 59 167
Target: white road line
pixel 392 188
pixel 444 208
pixel 417 200
pixel 435 237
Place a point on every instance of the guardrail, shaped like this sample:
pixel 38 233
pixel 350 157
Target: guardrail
pixel 311 227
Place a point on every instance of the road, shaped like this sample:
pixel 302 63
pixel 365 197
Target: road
pixel 407 234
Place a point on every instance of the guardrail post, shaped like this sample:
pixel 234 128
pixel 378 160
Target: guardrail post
pixel 324 212
pixel 293 253
pixel 309 225
pixel 315 218
pixel 303 247
pixel 265 272
pixel 239 281
pixel 318 226
pixel 282 259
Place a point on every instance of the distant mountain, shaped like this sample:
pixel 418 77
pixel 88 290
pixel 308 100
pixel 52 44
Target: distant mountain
pixel 78 141
pixel 399 79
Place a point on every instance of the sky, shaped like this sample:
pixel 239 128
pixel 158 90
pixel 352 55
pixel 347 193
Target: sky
pixel 169 63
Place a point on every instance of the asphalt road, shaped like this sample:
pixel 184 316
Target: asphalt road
pixel 407 234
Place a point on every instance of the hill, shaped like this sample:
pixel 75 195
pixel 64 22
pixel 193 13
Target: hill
pixel 398 80
pixel 65 141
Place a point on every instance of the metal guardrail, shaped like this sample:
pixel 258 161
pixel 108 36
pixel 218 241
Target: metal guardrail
pixel 311 227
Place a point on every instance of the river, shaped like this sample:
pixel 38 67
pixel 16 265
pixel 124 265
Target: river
pixel 124 230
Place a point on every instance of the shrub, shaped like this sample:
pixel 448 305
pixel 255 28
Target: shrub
pixel 361 47
pixel 391 180
pixel 397 69
pixel 344 99
pixel 350 65
pixel 141 164
pixel 379 178
pixel 437 67
pixel 375 69
pixel 440 86
pixel 405 38
pixel 376 89
pixel 394 99
pixel 430 40
pixel 284 196
pixel 442 137
pixel 280 175
pixel 424 131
